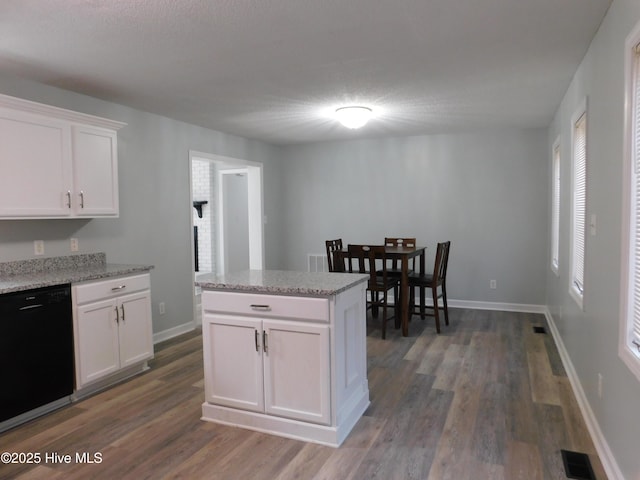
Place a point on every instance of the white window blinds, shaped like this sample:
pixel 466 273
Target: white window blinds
pixel 579 201
pixel 555 209
pixel 634 244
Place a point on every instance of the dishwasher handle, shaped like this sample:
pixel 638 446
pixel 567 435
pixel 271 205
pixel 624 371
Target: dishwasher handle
pixel 30 307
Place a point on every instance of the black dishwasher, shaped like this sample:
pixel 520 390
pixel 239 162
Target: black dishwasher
pixel 36 351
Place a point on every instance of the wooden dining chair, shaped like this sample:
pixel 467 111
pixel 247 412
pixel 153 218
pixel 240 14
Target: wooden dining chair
pixel 396 269
pixel 431 282
pixel 364 258
pixel 332 247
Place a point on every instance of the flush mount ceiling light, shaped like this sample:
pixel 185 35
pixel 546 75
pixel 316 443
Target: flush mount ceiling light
pixel 353 117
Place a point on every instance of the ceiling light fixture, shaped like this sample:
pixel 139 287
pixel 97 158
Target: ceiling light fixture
pixel 354 117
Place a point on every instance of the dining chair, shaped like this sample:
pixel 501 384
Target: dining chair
pixel 395 269
pixel 432 281
pixel 332 247
pixel 380 283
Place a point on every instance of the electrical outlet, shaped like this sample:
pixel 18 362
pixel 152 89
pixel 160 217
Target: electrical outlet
pixel 74 244
pixel 599 385
pixel 493 284
pixel 38 247
pixel 161 308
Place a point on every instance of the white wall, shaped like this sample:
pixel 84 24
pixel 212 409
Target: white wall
pixel 155 205
pixel 486 192
pixel 591 336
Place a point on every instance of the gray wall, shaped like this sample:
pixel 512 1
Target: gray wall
pixel 591 336
pixel 485 192
pixel 154 223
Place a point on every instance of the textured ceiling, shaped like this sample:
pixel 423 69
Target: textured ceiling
pixel 275 69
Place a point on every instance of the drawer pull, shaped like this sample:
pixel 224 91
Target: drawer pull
pixel 115 289
pixel 262 308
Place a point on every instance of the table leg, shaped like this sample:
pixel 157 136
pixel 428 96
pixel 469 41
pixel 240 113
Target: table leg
pixel 404 295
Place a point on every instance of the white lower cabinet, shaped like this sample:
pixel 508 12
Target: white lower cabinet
pixel 112 329
pixel 279 367
pixel 290 366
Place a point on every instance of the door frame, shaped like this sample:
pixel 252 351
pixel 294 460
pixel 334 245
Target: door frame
pixel 255 188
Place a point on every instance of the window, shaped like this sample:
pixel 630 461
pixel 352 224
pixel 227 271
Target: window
pixel 579 206
pixel 555 208
pixel 630 267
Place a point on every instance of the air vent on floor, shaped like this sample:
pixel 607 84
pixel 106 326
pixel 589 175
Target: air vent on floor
pixel 577 465
pixel 539 330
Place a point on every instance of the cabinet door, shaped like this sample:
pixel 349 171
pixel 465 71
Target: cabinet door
pixel 233 361
pixel 97 339
pixel 297 371
pixel 95 167
pixel 135 332
pixel 35 166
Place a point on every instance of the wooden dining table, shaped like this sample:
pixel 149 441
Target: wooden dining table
pixel 403 254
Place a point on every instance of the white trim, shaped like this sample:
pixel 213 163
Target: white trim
pixel 602 447
pixel 626 354
pixel 173 332
pixel 61 113
pixel 555 235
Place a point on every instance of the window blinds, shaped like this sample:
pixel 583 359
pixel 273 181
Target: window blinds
pixel 555 207
pixel 579 199
pixel 635 202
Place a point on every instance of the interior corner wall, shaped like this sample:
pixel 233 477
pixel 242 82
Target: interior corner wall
pixel 154 226
pixel 486 192
pixel 590 337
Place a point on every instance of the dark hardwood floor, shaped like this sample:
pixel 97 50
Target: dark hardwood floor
pixel 486 399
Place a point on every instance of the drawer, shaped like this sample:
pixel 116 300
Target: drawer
pixel 112 287
pixel 271 306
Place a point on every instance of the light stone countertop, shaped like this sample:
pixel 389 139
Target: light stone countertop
pixel 28 274
pixel 281 282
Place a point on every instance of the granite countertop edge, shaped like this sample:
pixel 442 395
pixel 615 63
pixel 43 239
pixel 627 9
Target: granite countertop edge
pixel 276 282
pixel 28 281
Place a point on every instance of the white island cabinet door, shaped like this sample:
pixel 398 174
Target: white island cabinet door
pixel 297 374
pixel 35 166
pixel 95 166
pixel 136 342
pixel 97 340
pixel 233 361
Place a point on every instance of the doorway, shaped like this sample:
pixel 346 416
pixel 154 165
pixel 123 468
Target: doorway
pixel 227 216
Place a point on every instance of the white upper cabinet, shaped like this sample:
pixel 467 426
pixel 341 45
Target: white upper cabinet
pixel 95 172
pixel 55 163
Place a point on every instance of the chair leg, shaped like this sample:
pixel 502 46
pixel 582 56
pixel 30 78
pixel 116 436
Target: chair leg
pixel 434 292
pixel 374 304
pixel 423 302
pixel 444 301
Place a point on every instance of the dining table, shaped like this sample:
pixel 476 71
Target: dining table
pixel 404 254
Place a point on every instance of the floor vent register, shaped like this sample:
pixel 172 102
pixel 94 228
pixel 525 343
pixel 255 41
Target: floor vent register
pixel 577 465
pixel 539 330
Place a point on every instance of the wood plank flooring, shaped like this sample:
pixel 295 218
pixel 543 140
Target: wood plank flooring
pixel 486 399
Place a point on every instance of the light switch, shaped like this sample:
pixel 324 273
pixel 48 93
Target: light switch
pixel 592 225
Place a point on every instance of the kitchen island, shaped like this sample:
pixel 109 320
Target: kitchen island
pixel 285 352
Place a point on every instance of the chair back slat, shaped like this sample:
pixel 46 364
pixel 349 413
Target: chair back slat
pixel 441 262
pixel 332 247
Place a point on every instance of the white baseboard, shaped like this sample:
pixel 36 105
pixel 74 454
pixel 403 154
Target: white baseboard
pixel 477 305
pixel 604 452
pixel 173 332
